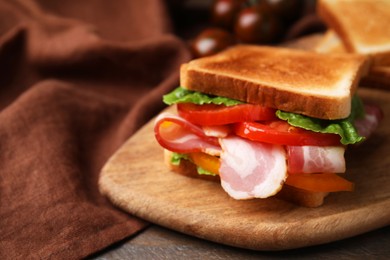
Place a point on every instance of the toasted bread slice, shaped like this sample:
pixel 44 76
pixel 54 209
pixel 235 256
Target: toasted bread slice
pixel 377 77
pixel 288 193
pixel 309 83
pixel 362 25
pixel 330 43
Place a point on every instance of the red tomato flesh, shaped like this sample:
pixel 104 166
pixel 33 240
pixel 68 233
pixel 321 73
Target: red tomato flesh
pixel 210 114
pixel 280 132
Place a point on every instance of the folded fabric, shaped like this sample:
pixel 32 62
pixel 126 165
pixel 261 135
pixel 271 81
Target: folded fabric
pixel 77 78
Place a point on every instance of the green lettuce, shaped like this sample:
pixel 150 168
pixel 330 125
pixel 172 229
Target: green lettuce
pixel 177 157
pixel 182 95
pixel 342 127
pixel 204 172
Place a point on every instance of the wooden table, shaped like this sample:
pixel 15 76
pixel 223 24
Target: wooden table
pixel 157 242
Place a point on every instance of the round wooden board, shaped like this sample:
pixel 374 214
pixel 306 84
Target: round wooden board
pixel 136 179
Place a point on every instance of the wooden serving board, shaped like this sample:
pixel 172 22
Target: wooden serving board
pixel 136 180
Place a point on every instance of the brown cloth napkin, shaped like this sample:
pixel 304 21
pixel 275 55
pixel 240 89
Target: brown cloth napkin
pixel 77 78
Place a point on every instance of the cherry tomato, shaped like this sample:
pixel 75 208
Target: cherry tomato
pixel 319 182
pixel 210 114
pixel 257 24
pixel 287 10
pixel 224 12
pixel 210 41
pixel 280 132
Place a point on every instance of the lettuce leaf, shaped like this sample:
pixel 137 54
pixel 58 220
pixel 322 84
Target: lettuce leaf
pixel 177 157
pixel 182 95
pixel 204 172
pixel 342 127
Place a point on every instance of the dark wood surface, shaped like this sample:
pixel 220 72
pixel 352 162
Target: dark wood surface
pixel 160 243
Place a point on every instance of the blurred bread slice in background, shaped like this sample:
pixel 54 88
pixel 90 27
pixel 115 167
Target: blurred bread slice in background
pixel 330 43
pixel 361 27
pixel 379 77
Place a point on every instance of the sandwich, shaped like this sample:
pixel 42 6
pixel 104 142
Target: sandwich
pixel 267 122
pixel 360 27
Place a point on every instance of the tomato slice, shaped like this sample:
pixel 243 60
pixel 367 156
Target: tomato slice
pixel 206 161
pixel 319 182
pixel 280 132
pixel 210 114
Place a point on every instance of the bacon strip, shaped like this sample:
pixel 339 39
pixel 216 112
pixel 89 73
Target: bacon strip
pixel 178 135
pixel 316 159
pixel 254 169
pixel 251 169
pixel 367 125
pixel 219 131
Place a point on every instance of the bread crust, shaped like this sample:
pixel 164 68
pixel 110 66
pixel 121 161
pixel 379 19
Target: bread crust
pixel 330 43
pixel 287 193
pixel 378 76
pixel 302 82
pixel 325 12
pixel 361 25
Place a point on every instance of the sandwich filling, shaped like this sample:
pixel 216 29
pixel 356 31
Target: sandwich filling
pixel 256 150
